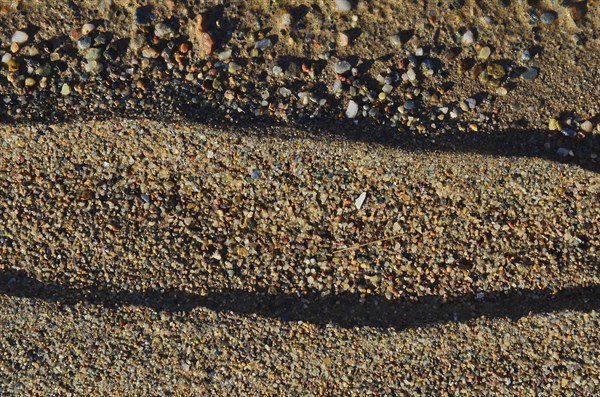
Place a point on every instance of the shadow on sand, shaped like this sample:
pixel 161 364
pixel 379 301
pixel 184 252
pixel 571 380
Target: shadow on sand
pixel 345 310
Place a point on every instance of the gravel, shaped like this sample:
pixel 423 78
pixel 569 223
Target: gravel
pixel 138 263
pixel 285 200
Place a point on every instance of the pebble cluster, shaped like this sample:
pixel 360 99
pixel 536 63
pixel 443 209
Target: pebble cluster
pixel 204 64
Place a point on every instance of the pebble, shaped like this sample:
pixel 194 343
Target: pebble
pixel 468 37
pixel 29 82
pixel 208 44
pixel 526 55
pixel 485 53
pixel 87 28
pixel 149 52
pixel 343 5
pixel 93 54
pixel 571 133
pixel 6 57
pixel 548 17
pixel 587 126
pixel 65 89
pixel 471 103
pixel 396 40
pixel 360 200
pixel 19 37
pixel 163 31
pixel 342 39
pixel 84 42
pixel 496 70
pixel 553 124
pixel 342 67
pixel 530 74
pixel 564 152
pixel 263 44
pixel 352 110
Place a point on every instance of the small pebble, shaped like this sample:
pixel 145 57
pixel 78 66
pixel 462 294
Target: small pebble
pixel 360 200
pixel 553 124
pixel 342 67
pixel 468 37
pixel 162 30
pixel 342 39
pixel 485 53
pixel 84 42
pixel 564 152
pixel 352 110
pixel 496 70
pixel 343 5
pixel 263 44
pixel 530 74
pixel 548 17
pixel 87 28
pixel 65 89
pixel 19 37
pixel 587 126
pixel 150 52
pixel 571 133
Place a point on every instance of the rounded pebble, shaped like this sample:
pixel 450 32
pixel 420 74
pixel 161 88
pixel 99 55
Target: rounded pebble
pixel 19 37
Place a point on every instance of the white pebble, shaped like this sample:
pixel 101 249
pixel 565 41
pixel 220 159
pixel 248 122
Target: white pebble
pixel 360 200
pixel 352 110
pixel 19 37
pixel 468 38
pixel 587 126
pixel 343 5
pixel 6 57
pixel 87 29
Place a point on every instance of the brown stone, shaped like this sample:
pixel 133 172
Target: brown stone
pixel 208 44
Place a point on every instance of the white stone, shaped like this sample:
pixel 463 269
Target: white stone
pixel 352 110
pixel 343 5
pixel 87 29
pixel 468 37
pixel 360 200
pixel 6 57
pixel 19 37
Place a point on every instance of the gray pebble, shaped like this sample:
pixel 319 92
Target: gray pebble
pixel 530 74
pixel 84 42
pixel 342 67
pixel 548 17
pixel 263 44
